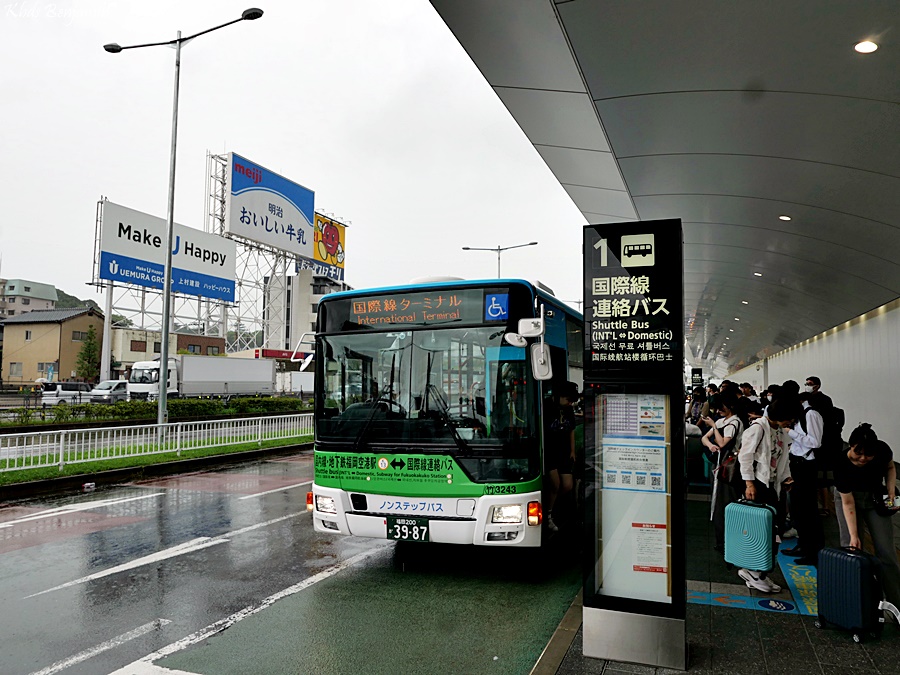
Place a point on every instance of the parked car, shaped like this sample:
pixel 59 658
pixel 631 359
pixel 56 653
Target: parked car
pixel 110 391
pixel 65 392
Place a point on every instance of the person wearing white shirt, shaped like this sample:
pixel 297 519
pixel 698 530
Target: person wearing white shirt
pixel 806 437
pixel 762 468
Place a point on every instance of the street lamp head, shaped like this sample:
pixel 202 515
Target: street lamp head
pixel 112 48
pixel 251 14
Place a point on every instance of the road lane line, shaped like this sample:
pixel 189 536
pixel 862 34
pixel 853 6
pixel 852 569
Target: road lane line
pixel 181 549
pixel 187 547
pixel 229 621
pixel 103 647
pixel 269 492
pixel 250 528
pixel 74 508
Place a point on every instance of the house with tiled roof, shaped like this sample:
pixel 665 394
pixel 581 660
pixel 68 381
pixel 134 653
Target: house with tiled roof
pixel 45 343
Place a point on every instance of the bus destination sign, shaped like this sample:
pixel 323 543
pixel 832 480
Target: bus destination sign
pixel 418 309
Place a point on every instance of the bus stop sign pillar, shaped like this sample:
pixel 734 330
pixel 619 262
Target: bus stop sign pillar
pixel 634 511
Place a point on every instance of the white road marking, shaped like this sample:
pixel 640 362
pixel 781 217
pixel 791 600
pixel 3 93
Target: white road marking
pixel 138 668
pixel 102 647
pixel 269 492
pixel 229 621
pixel 74 508
pixel 181 549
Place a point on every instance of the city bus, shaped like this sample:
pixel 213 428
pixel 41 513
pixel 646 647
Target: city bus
pixel 429 408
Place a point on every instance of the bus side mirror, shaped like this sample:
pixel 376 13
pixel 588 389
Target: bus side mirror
pixel 540 361
pixel 516 340
pixel 532 328
pixel 304 339
pixel 305 363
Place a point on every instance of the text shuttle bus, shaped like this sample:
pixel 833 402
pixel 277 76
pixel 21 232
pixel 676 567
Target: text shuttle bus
pixel 428 418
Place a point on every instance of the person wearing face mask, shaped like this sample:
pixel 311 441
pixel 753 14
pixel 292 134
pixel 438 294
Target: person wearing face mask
pixel 818 400
pixel 863 474
pixel 764 471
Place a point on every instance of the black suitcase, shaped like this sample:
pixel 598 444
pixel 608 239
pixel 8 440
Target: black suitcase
pixel 850 591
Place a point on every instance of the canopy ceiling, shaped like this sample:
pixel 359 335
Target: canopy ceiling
pixel 726 115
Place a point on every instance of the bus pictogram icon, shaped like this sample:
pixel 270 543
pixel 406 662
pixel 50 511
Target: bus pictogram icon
pixel 638 250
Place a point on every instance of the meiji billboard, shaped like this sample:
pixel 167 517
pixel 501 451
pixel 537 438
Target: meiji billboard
pixel 267 208
pixel 133 251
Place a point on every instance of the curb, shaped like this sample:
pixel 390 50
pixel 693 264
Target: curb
pixel 75 483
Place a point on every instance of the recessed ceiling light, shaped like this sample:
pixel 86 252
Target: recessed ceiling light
pixel 865 47
pixel 731 330
pixel 744 302
pixel 736 319
pixel 727 337
pixel 757 274
pixel 784 217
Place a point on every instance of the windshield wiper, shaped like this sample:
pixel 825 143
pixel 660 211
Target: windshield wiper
pixel 444 410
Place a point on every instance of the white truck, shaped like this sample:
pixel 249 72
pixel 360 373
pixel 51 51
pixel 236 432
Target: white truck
pixel 191 376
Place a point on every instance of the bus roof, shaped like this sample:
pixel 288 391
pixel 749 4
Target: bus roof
pixel 461 283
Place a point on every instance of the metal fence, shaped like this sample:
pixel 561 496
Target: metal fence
pixel 57 448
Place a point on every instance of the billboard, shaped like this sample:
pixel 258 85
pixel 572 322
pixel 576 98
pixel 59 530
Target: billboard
pixel 328 253
pixel 132 251
pixel 267 208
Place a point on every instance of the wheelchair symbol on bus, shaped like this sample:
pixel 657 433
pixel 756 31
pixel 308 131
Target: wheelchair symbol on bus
pixel 496 307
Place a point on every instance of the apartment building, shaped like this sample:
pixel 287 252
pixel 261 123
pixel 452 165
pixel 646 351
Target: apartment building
pixel 45 343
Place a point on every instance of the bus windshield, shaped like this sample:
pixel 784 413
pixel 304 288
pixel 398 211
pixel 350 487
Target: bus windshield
pixel 459 390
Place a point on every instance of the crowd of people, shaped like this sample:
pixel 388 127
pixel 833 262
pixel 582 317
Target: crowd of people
pixel 784 447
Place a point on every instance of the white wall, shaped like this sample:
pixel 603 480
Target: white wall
pixel 859 365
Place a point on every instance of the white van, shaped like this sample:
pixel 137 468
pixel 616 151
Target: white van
pixel 110 391
pixel 65 392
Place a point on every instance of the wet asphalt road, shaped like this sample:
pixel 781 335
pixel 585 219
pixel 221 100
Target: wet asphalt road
pixel 93 582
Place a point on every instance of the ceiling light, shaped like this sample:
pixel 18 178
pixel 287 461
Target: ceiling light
pixel 731 330
pixel 865 47
pixel 727 337
pixel 757 274
pixel 736 319
pixel 784 217
pixel 744 302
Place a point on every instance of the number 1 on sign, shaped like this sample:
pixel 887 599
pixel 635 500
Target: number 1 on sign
pixel 602 246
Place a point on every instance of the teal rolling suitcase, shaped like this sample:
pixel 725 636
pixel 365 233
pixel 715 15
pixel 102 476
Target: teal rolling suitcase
pixel 750 535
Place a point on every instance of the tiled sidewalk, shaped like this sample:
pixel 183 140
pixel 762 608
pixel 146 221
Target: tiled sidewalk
pixel 741 641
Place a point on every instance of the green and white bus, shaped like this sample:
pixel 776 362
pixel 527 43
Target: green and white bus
pixel 429 408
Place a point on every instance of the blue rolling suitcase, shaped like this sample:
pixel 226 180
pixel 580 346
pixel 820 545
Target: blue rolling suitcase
pixel 850 591
pixel 750 535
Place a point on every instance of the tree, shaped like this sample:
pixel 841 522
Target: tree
pixel 88 363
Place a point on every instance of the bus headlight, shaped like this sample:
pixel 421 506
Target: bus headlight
pixel 508 513
pixel 325 504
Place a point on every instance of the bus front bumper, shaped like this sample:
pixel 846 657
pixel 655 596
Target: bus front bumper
pixel 451 520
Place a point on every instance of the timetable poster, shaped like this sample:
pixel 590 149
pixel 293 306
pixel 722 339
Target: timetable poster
pixel 634 416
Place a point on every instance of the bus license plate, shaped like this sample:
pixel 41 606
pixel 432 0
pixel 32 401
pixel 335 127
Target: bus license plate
pixel 407 529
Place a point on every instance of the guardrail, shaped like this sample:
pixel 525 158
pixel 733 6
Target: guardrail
pixel 39 449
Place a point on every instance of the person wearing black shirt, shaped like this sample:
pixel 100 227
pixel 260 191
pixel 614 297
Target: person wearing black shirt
pixel 862 475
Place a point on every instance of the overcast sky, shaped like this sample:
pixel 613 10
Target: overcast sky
pixel 372 104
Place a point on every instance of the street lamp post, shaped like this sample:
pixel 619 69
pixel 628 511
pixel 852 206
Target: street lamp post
pixel 113 48
pixel 498 250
